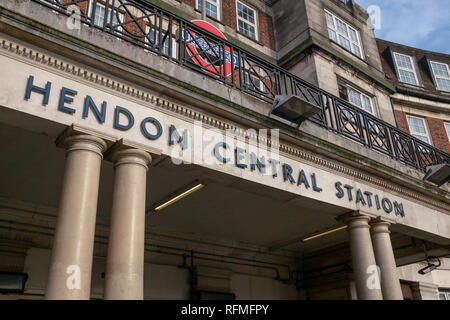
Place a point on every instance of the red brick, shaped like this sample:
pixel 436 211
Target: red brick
pixel 189 2
pixel 401 120
pixel 438 134
pixel 436 126
pixel 266 30
pixel 229 13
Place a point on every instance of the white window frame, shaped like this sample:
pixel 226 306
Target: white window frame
pixel 174 42
pixel 438 76
pixel 218 4
pixel 447 129
pixel 251 84
pixel 425 124
pixel 347 37
pixel 363 95
pixel 255 25
pixel 371 99
pixel 413 70
pixel 121 15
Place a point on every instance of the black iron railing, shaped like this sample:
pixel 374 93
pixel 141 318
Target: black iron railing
pixel 162 33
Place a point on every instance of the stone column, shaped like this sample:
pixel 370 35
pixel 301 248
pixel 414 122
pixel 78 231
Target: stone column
pixel 384 255
pixel 73 244
pixel 124 276
pixel 363 258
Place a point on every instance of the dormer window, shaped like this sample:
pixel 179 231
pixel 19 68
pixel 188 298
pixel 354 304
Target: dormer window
pixel 441 75
pixel 405 68
pixel 344 34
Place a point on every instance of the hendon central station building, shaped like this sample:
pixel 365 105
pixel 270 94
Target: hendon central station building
pixel 272 150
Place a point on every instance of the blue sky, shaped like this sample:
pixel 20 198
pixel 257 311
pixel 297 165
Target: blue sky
pixel 416 23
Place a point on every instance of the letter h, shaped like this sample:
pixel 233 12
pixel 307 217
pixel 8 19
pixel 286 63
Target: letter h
pixel 45 91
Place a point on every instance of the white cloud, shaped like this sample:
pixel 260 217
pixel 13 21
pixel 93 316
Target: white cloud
pixel 415 23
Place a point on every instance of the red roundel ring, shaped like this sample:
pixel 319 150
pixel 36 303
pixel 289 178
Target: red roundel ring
pixel 198 59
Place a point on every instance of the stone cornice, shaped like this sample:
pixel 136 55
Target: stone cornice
pixel 69 69
pixel 422 104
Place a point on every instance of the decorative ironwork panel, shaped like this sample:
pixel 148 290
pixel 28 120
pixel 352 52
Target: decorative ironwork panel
pixel 377 134
pixel 314 96
pixel 160 32
pixel 348 120
pixel 257 78
pixel 426 155
pixel 403 147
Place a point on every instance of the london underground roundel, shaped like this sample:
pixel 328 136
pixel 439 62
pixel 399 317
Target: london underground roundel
pixel 206 53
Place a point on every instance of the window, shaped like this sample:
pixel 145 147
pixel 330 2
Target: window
pixel 212 8
pixel 344 34
pixel 441 75
pixel 253 82
pixel 444 294
pixel 360 100
pixel 406 69
pixel 447 129
pixel 99 16
pixel 419 129
pixel 152 38
pixel 357 98
pixel 247 20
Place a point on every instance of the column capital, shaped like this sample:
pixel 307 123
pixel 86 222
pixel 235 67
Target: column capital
pixel 121 153
pixel 355 220
pixel 380 226
pixel 131 156
pixel 84 142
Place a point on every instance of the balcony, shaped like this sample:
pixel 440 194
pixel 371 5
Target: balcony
pixel 182 42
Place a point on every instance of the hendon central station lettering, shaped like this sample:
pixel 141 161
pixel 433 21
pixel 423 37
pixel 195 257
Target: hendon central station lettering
pixel 152 152
pixel 124 120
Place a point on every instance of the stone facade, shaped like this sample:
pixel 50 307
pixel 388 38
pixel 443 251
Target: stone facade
pixel 84 182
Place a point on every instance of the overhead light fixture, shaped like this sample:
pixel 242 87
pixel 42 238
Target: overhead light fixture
pixel 12 282
pixel 430 266
pixel 438 174
pixel 324 233
pixel 294 108
pixel 180 196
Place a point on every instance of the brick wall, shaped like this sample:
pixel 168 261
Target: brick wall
pixel 265 36
pixel 266 30
pixel 436 126
pixel 439 134
pixel 189 2
pixel 83 5
pixel 229 13
pixel 401 120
